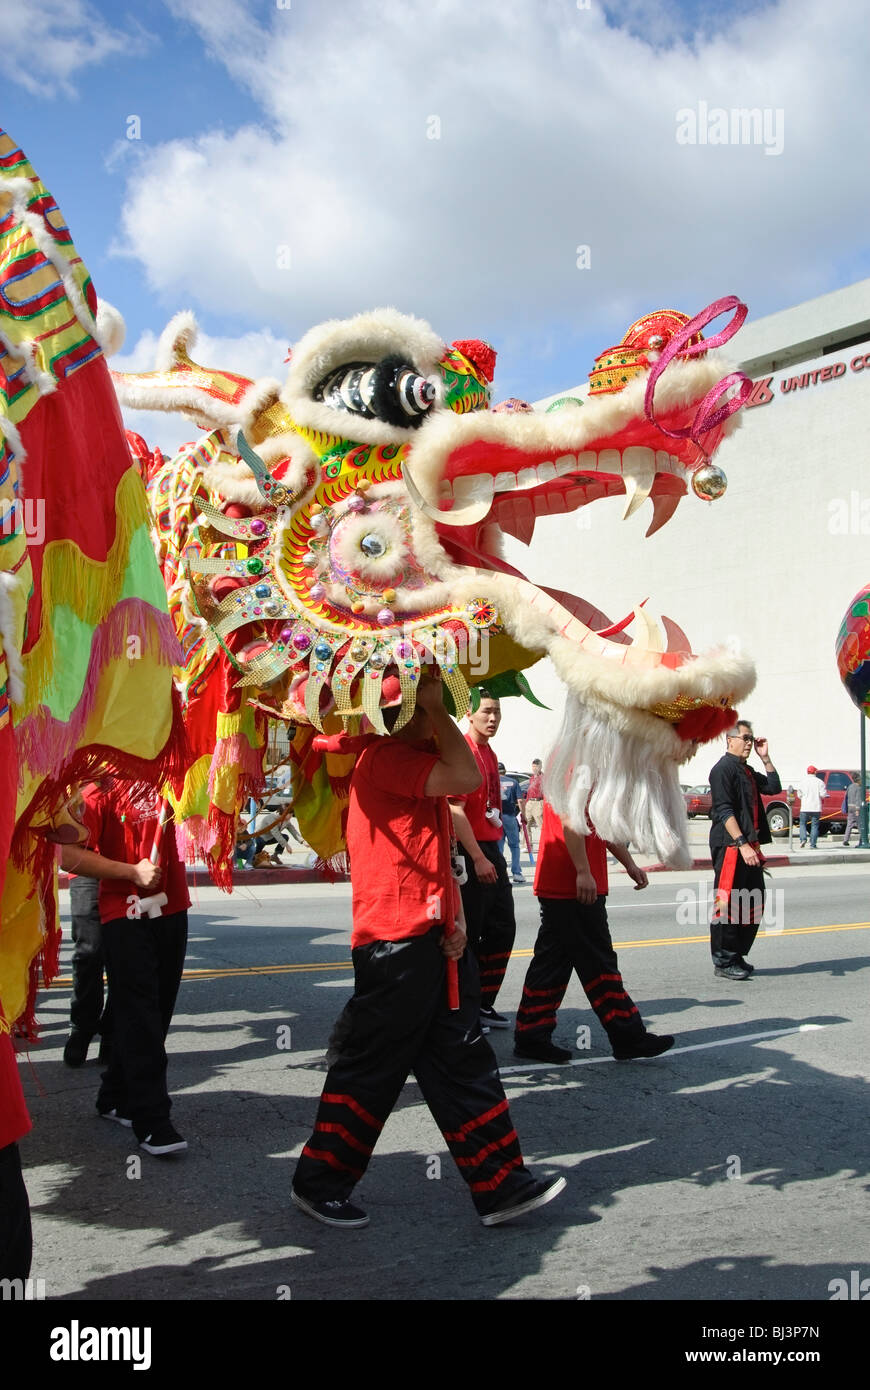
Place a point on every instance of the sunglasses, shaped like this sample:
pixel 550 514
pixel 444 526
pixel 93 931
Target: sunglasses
pixel 744 738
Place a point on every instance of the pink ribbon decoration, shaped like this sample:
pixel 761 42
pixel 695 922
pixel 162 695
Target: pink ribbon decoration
pixel 706 418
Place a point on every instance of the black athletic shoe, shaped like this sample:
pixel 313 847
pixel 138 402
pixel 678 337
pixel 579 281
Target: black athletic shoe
pixel 731 972
pixel 335 1213
pixel 537 1194
pixel 492 1019
pixel 542 1051
pixel 163 1139
pixel 649 1045
pixel 117 1115
pixel 76 1050
pixel 744 965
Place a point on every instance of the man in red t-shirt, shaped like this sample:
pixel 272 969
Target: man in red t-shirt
pixel 405 930
pixel 571 886
pixel 533 802
pixel 144 954
pixel 487 896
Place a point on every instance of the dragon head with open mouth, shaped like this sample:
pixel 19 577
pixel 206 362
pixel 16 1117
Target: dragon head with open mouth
pixel 346 530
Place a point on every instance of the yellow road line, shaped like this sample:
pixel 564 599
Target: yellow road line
pixel 230 971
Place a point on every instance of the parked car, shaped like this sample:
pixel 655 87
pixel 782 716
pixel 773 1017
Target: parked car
pixel 832 818
pixel 699 801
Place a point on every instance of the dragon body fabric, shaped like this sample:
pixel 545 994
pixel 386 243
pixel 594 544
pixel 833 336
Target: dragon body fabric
pixel 86 642
pixel 328 539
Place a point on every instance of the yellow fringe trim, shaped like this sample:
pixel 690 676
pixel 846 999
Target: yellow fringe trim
pixel 194 795
pixel 241 721
pixel 22 937
pixel 89 587
pixel 225 790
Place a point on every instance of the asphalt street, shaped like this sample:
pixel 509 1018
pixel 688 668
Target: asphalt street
pixel 734 1167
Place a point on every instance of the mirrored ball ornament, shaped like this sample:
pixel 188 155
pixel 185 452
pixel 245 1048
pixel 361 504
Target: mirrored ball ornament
pixel 709 482
pixel 373 545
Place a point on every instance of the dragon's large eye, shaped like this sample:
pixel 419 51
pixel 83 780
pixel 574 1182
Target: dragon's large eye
pixel 390 390
pixel 372 545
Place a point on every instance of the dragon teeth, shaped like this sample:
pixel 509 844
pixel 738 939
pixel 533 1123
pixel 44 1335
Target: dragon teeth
pixel 649 637
pixel 639 472
pixel 664 506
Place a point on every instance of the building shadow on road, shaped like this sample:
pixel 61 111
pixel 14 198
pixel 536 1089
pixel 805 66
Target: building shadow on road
pixel 218 1223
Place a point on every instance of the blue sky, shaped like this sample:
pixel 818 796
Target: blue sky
pixel 304 161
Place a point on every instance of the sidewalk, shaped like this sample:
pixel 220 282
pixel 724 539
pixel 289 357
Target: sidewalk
pixel 775 858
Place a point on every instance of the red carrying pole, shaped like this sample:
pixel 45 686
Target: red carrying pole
pixel 163 820
pixel 453 985
pixel 528 842
pixel 453 965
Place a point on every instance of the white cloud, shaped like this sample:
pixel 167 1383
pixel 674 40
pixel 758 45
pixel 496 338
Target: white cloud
pixel 557 129
pixel 256 355
pixel 45 45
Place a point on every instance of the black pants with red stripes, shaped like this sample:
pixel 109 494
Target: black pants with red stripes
pixel 398 1022
pixel 489 921
pixel 738 905
pixel 575 936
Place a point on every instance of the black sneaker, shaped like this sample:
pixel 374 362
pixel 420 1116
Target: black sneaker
pixel 649 1045
pixel 117 1115
pixel 537 1194
pixel 744 965
pixel 492 1019
pixel 542 1051
pixel 76 1050
pixel 334 1213
pixel 163 1139
pixel 731 972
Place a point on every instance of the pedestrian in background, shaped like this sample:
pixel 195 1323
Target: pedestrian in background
pixel 510 819
pixel 532 805
pixel 852 807
pixel 812 794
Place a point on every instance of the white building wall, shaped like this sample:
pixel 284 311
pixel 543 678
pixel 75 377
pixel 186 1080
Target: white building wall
pixel 774 562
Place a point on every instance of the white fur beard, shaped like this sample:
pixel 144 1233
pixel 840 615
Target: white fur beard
pixel 630 791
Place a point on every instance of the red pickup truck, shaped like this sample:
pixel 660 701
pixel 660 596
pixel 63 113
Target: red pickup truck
pixel 832 818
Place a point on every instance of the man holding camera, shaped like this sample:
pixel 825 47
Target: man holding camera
pixel 738 830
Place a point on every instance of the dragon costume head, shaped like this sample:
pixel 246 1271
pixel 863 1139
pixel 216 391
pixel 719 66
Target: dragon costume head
pixel 349 525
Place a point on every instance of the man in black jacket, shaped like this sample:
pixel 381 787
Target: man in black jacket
pixel 738 830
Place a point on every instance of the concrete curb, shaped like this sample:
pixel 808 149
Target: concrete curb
pixel 771 861
pixel 198 876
